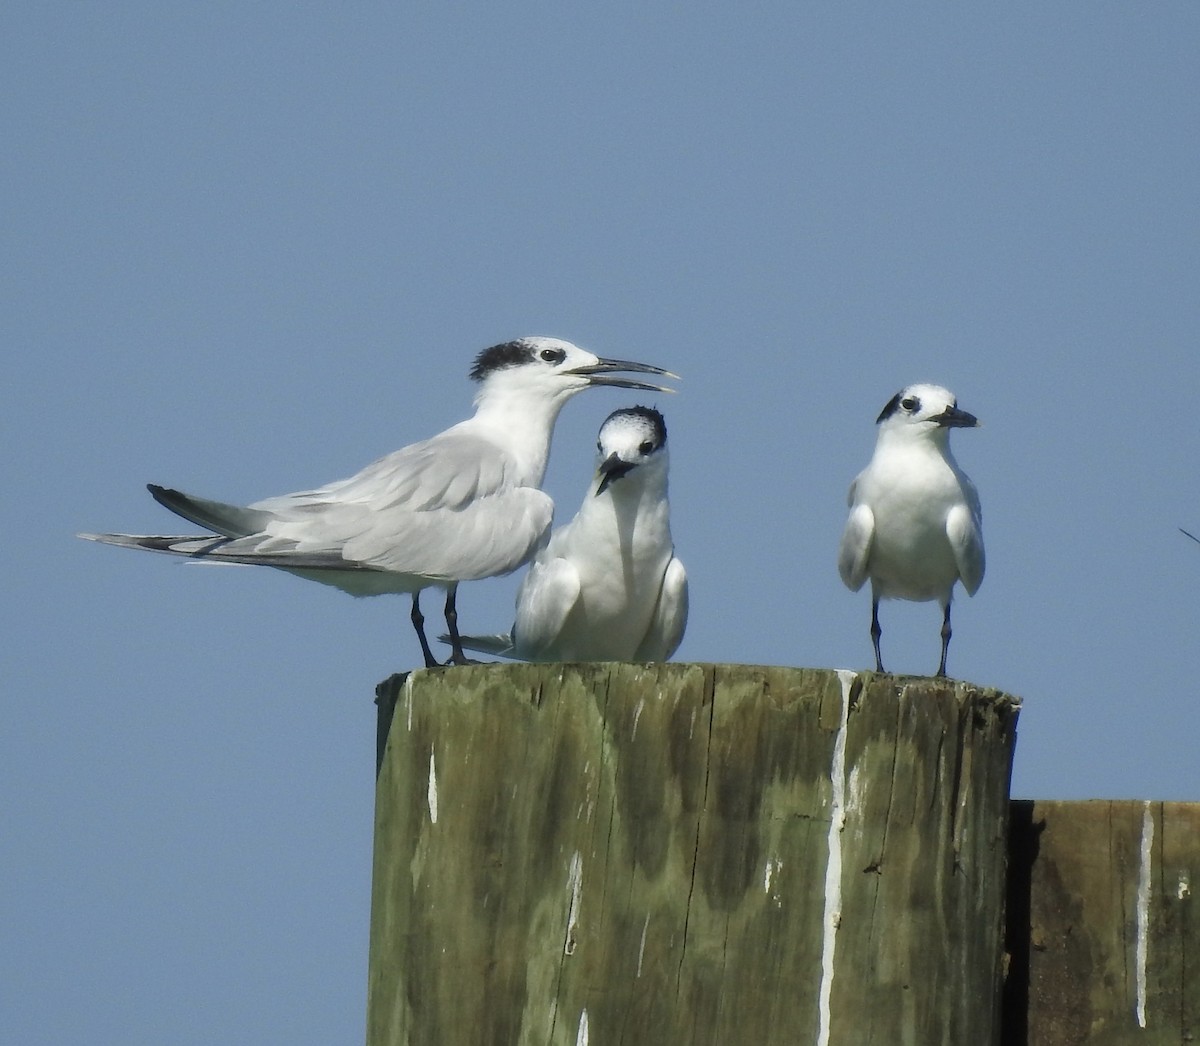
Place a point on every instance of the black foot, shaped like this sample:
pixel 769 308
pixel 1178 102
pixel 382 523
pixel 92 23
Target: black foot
pixel 462 659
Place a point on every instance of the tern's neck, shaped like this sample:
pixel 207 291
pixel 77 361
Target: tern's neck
pixel 522 425
pixel 642 495
pixel 901 442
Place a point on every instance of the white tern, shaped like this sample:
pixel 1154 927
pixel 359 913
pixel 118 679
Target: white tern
pixel 915 526
pixel 608 586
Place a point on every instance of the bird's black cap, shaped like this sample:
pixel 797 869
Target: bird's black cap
pixel 497 357
pixel 649 414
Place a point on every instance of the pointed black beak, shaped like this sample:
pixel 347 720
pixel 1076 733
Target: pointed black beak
pixel 953 418
pixel 600 374
pixel 612 468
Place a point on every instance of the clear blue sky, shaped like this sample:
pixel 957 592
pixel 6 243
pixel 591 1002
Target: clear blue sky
pixel 251 247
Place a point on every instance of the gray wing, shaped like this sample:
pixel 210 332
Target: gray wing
pixel 670 616
pixel 964 528
pixel 210 548
pixel 446 508
pixel 499 644
pixel 230 520
pixel 855 549
pixel 547 595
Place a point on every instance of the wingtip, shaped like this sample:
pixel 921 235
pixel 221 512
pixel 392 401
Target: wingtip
pixel 499 645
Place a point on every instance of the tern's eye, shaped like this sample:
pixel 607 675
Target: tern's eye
pixel 910 403
pixel 553 355
pixel 646 446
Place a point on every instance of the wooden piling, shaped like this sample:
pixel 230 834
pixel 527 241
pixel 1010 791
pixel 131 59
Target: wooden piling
pixel 1103 934
pixel 670 854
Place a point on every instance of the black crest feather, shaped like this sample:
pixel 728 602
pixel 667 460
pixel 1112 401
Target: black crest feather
pixel 506 354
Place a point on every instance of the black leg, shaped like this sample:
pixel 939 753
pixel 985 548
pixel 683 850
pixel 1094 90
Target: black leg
pixel 457 657
pixel 946 633
pixel 418 621
pixel 876 632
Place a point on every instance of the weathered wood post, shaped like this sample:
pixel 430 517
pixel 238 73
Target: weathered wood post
pixel 1103 932
pixel 672 854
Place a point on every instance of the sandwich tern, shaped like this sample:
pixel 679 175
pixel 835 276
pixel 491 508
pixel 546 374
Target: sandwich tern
pixel 915 525
pixel 460 506
pixel 608 586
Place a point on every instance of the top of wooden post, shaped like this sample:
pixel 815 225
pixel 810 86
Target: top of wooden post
pixel 701 853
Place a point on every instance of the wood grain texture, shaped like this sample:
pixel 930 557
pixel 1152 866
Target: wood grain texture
pixel 638 854
pixel 1105 937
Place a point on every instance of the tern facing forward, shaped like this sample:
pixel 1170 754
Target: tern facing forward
pixel 915 526
pixel 608 586
pixel 460 506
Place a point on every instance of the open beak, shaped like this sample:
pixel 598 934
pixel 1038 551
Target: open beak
pixel 601 374
pixel 953 418
pixel 613 467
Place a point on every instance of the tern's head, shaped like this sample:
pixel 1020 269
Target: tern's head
pixel 923 412
pixel 554 370
pixel 631 438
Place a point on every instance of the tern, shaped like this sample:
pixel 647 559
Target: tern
pixel 915 527
pixel 608 586
pixel 463 505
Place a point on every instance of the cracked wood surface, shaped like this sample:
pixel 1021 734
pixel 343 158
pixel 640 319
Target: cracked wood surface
pixel 637 854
